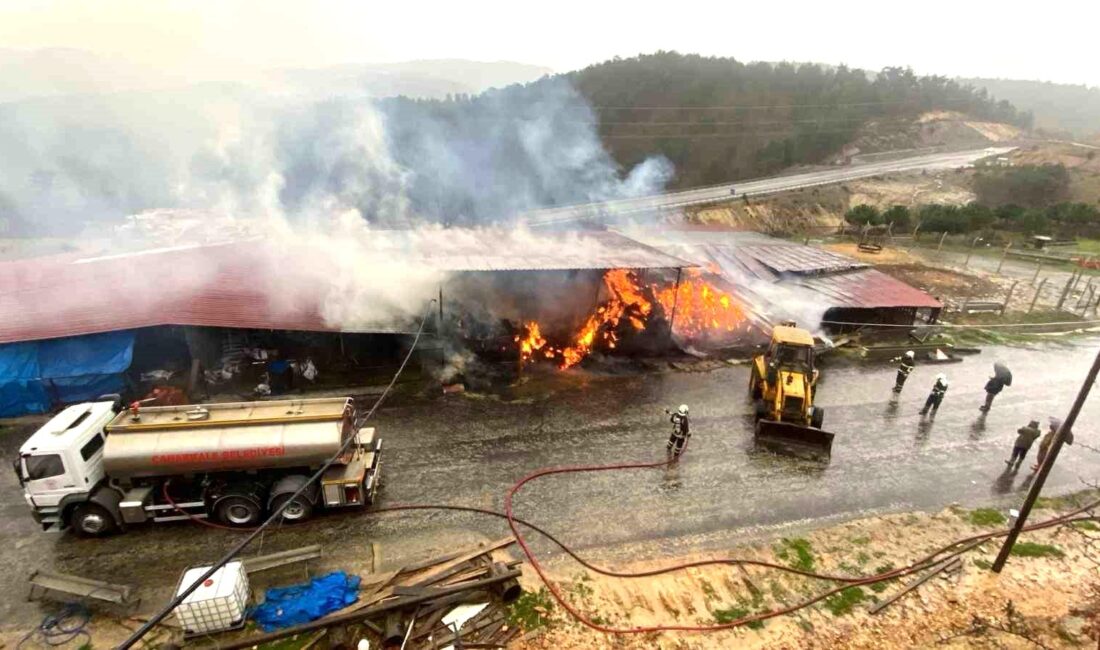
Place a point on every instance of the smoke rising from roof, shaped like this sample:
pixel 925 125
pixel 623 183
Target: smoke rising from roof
pixel 276 152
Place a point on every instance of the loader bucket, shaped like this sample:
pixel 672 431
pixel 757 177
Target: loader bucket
pixel 794 439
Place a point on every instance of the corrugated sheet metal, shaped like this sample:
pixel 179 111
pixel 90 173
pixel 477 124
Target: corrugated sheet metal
pixel 511 250
pixel 750 264
pixel 254 285
pixel 868 289
pixel 798 259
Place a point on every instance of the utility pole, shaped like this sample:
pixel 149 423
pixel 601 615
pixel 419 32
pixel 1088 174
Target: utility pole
pixel 1048 462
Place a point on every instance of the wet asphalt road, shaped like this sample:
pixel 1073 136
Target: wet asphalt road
pixel 468 450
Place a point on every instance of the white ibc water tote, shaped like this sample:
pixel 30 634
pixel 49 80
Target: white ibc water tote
pixel 218 604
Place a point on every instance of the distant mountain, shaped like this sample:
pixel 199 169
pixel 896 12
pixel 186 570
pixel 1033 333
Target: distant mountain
pixel 53 72
pixel 48 72
pixel 1057 107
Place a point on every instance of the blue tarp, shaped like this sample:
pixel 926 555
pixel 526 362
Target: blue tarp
pixel 288 606
pixel 37 375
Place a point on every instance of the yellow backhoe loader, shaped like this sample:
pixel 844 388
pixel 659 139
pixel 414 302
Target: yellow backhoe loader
pixel 781 385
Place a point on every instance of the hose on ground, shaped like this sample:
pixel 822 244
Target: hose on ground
pixel 944 553
pixel 67 625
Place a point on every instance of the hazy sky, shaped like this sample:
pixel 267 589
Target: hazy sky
pixel 1052 40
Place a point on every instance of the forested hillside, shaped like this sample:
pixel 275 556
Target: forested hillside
pixel 1074 109
pixel 715 119
pixel 719 119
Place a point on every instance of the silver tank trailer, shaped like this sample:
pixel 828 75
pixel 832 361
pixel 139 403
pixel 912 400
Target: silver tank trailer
pixel 173 440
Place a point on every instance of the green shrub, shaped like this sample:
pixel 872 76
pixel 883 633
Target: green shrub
pixel 735 613
pixel 1034 549
pixel 986 517
pixel 532 609
pixel 796 552
pixel 843 602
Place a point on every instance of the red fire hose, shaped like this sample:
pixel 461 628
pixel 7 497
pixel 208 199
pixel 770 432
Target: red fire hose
pixel 946 552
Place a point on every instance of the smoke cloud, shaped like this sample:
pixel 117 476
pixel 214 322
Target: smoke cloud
pixel 350 195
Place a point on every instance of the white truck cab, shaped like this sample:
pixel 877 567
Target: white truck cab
pixel 62 462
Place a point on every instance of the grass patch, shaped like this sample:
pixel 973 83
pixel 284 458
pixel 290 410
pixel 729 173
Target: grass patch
pixel 797 552
pixel 708 590
pixel 531 610
pixel 861 541
pixel 983 564
pixel 735 613
pixel 779 592
pixel 986 517
pixel 880 587
pixel 862 558
pixel 1034 549
pixel 1086 525
pixel 844 602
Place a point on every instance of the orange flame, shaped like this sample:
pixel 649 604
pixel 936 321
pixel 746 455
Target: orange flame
pixel 701 309
pixel 698 308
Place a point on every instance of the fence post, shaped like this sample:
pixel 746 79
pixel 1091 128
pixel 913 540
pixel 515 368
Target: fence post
pixel 1008 297
pixel 1036 296
pixel 1092 290
pixel 1065 294
pixel 940 245
pixel 1038 267
pixel 1004 254
pixel 1080 300
pixel 970 251
pixel 1080 273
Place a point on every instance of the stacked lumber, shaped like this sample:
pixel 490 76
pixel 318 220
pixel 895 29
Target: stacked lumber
pixel 409 607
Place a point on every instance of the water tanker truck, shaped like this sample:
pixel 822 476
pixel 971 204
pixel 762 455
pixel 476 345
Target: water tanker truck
pixel 99 470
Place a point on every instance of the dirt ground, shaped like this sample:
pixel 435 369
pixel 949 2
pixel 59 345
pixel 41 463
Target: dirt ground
pixel 1050 600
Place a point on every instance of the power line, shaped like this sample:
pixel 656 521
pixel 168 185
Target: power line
pixel 696 136
pixel 743 123
pixel 1081 323
pixel 277 514
pixel 729 107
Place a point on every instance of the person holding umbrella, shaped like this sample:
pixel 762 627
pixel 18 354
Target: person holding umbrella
pixel 1002 377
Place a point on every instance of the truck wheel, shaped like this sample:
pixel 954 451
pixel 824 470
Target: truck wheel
pixel 299 509
pixel 92 520
pixel 237 510
pixel 817 417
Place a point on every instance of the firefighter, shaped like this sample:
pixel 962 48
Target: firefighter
pixel 1025 437
pixel 677 440
pixel 936 396
pixel 1048 440
pixel 907 364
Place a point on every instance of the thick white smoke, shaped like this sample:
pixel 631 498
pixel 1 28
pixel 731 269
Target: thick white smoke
pixel 324 182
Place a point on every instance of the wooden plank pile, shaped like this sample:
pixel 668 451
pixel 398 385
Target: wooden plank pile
pixel 413 607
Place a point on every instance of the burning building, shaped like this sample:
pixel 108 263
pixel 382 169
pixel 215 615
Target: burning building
pixel 820 289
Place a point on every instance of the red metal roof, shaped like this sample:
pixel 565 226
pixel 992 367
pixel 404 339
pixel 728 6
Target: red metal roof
pixel 258 284
pixel 868 288
pixel 220 286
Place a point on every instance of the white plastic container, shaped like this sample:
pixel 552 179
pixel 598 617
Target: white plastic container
pixel 219 602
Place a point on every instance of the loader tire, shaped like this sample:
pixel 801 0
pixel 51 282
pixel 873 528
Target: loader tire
pixel 817 417
pixel 760 410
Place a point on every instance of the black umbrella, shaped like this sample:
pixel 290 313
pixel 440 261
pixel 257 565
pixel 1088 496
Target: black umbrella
pixel 1001 371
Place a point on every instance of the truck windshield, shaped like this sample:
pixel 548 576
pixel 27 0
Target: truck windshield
pixel 45 466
